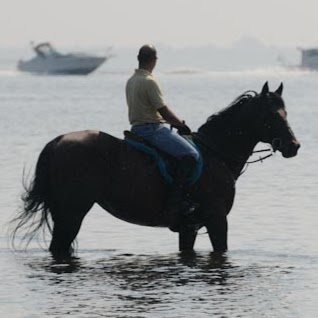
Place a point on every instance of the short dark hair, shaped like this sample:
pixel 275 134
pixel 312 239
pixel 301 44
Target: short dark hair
pixel 147 53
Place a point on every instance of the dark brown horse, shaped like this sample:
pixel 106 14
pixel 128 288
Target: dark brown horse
pixel 76 170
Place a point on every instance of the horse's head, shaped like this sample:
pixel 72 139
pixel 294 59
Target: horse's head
pixel 275 129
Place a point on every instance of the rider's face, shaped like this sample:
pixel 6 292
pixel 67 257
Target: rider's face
pixel 153 63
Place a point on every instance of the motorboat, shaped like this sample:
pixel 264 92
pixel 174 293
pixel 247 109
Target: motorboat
pixel 308 61
pixel 309 58
pixel 49 61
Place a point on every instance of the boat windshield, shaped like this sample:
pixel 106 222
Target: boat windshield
pixel 45 50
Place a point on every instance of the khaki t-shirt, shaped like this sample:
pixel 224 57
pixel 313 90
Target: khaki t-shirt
pixel 144 98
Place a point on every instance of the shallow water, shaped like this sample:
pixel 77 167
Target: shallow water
pixel 124 270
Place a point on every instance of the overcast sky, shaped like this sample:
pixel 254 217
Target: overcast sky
pixel 179 23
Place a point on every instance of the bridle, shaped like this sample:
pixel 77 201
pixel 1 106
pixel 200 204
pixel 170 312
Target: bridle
pixel 264 123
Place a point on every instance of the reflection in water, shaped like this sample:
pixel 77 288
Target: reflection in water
pixel 161 272
pixel 127 285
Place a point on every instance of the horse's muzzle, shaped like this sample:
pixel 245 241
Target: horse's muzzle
pixel 288 150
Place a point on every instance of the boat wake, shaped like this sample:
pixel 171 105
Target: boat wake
pixel 280 71
pixel 9 73
pixel 186 71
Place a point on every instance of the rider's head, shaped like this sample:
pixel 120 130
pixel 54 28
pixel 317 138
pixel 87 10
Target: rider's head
pixel 147 57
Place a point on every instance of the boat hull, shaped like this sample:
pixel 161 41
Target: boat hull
pixel 61 65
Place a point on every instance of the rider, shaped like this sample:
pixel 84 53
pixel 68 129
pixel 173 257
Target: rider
pixel 148 111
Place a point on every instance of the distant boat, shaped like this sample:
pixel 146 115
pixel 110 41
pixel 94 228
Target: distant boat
pixel 50 61
pixel 309 58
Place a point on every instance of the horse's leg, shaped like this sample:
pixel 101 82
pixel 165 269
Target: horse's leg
pixel 187 239
pixel 217 230
pixel 67 223
pixel 215 222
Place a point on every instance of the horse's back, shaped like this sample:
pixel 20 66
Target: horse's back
pixel 96 148
pixel 112 173
pixel 80 136
pixel 87 138
pixel 82 160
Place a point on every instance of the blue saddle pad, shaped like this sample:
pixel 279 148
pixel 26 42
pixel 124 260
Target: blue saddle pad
pixel 162 164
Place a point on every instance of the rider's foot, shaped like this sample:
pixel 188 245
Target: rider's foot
pixel 184 217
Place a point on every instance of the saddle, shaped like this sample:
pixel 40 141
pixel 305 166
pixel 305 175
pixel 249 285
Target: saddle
pixel 164 162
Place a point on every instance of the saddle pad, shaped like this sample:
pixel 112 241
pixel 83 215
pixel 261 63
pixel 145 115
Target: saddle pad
pixel 161 162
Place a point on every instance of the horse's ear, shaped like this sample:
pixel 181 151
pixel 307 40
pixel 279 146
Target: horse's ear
pixel 265 89
pixel 279 90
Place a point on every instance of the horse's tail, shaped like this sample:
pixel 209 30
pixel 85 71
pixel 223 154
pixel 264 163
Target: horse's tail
pixel 35 212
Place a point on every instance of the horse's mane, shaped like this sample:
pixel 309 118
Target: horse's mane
pixel 229 113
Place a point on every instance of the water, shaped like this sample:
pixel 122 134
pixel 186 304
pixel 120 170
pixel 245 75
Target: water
pixel 124 270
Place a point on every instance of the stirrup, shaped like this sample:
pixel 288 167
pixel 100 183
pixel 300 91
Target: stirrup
pixel 189 223
pixel 186 218
pixel 190 209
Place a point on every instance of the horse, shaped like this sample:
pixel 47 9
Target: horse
pixel 78 169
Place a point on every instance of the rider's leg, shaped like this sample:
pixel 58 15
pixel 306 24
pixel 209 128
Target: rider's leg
pixel 166 140
pixel 178 202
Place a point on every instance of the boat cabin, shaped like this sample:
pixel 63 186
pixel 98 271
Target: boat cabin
pixel 45 50
pixel 309 58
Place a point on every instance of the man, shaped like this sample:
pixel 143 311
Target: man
pixel 147 112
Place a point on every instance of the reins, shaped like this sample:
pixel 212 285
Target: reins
pixel 261 159
pixel 212 148
pixel 231 157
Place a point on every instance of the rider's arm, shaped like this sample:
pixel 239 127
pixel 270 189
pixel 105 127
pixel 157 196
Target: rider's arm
pixel 158 102
pixel 169 116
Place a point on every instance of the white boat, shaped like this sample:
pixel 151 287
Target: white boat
pixel 50 61
pixel 309 58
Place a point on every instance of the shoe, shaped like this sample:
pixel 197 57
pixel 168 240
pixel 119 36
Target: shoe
pixel 180 212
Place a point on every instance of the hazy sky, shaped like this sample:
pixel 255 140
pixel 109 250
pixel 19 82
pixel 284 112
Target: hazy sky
pixel 171 22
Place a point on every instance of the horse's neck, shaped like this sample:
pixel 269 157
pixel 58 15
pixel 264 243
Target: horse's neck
pixel 242 148
pixel 232 133
pixel 233 147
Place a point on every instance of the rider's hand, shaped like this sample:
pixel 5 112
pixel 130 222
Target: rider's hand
pixel 183 130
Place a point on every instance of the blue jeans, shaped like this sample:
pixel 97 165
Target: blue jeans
pixel 166 140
